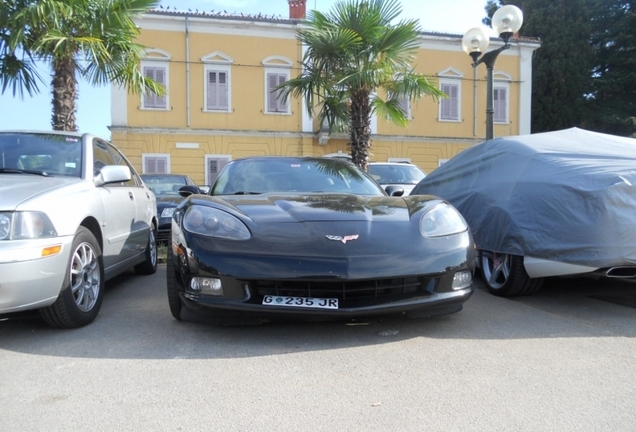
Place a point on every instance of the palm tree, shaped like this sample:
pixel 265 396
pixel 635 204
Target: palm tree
pixel 352 53
pixel 89 38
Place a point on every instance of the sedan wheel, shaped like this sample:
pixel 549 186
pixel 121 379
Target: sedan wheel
pixel 83 288
pixel 506 276
pixel 149 266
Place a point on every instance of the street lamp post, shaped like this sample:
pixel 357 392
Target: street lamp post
pixel 506 21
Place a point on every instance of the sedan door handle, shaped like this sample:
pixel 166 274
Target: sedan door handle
pixel 130 194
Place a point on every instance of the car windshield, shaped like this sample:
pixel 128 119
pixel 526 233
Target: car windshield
pixel 163 185
pixel 396 174
pixel 41 153
pixel 293 175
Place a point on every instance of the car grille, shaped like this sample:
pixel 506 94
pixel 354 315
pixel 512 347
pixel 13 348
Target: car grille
pixel 163 236
pixel 346 290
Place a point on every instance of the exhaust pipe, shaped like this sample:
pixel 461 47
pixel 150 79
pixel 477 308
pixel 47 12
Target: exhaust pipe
pixel 621 272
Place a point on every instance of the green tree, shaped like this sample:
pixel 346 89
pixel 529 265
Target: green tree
pixel 89 38
pixel 355 55
pixel 561 68
pixel 611 101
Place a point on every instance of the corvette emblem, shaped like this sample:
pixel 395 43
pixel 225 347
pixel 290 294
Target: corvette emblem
pixel 344 239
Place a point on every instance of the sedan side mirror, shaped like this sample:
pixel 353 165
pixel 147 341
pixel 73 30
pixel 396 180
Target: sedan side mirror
pixel 394 190
pixel 187 190
pixel 112 174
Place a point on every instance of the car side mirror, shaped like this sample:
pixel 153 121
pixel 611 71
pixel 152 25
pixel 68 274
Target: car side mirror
pixel 394 190
pixel 187 190
pixel 112 174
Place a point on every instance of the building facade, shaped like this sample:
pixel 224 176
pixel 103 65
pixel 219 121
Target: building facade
pixel 219 71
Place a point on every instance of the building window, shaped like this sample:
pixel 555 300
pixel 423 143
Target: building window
pixel 217 90
pixel 277 71
pixel 152 100
pixel 449 107
pixel 217 82
pixel 155 163
pixel 275 101
pixel 500 104
pixel 213 166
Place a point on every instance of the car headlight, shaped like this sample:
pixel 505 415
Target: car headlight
pixel 442 220
pixel 167 212
pixel 25 225
pixel 214 223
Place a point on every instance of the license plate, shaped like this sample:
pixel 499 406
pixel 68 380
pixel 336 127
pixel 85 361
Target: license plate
pixel 307 302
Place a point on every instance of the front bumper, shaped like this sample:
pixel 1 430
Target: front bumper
pixel 27 282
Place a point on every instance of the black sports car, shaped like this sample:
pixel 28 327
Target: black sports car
pixel 315 238
pixel 166 188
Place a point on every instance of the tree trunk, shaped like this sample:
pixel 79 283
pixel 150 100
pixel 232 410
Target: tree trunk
pixel 64 95
pixel 360 129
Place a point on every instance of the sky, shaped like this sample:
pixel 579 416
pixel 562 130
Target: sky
pixel 93 106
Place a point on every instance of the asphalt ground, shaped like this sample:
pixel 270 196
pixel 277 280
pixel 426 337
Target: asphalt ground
pixel 561 360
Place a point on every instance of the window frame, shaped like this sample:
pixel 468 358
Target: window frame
pixel 146 156
pixel 497 88
pixel 157 59
pixel 457 84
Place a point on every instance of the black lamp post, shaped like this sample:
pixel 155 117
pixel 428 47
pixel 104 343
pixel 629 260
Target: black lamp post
pixel 506 21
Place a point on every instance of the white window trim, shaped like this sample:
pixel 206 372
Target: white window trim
pixel 276 65
pixel 217 68
pixel 217 61
pixel 458 83
pixel 157 58
pixel 144 156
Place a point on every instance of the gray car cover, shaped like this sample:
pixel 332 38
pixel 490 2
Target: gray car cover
pixel 568 195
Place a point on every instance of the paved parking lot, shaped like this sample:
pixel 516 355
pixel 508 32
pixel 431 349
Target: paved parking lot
pixel 564 359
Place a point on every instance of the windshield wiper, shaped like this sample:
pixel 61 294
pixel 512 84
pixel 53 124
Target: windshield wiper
pixel 247 193
pixel 21 171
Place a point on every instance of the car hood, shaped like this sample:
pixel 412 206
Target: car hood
pixel 271 208
pixel 16 189
pixel 169 201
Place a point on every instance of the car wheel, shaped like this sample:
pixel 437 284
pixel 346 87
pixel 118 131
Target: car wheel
pixel 505 275
pixel 173 295
pixel 149 266
pixel 83 288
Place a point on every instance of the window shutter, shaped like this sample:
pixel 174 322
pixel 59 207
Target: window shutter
pixel 214 168
pixel 272 103
pixel 212 90
pixel 500 104
pixel 282 104
pixel 450 106
pixel 162 166
pixel 151 100
pixel 223 91
pixel 151 165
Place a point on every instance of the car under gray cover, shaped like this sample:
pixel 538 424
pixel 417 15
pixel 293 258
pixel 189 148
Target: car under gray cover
pixel 567 196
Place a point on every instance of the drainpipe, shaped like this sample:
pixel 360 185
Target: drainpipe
pixel 187 47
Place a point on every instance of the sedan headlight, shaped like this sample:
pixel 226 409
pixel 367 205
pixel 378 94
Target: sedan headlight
pixel 211 222
pixel 167 212
pixel 442 220
pixel 25 225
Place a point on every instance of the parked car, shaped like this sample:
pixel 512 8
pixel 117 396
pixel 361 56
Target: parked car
pixel 166 188
pixel 559 203
pixel 73 214
pixel 401 174
pixel 314 237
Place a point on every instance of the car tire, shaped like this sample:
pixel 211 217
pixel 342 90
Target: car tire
pixel 149 266
pixel 83 288
pixel 171 280
pixel 505 275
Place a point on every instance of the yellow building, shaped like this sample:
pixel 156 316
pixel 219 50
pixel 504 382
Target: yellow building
pixel 219 69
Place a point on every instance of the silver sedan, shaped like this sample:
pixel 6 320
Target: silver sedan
pixel 73 214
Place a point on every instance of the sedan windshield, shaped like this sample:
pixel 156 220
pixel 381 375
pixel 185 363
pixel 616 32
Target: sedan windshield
pixel 396 174
pixel 293 175
pixel 45 154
